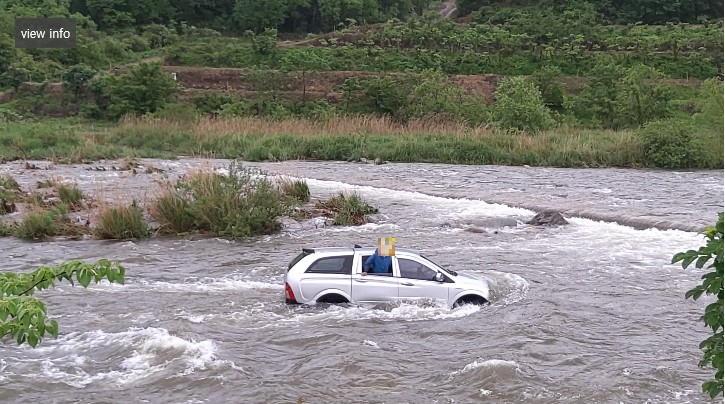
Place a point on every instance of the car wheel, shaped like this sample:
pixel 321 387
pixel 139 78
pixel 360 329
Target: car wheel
pixel 471 299
pixel 333 298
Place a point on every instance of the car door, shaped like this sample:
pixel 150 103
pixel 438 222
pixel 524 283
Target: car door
pixel 373 288
pixel 327 273
pixel 417 280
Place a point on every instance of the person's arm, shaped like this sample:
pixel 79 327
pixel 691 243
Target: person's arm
pixel 368 262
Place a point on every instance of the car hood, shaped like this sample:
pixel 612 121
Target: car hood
pixel 475 280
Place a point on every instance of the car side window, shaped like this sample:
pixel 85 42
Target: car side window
pixel 332 265
pixel 415 270
pixel 389 273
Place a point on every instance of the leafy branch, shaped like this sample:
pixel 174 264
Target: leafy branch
pixel 712 284
pixel 23 317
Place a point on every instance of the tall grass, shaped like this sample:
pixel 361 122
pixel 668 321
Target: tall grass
pixel 346 138
pixel 122 222
pixel 39 223
pixel 296 190
pixel 9 193
pixel 71 195
pixel 349 209
pixel 238 204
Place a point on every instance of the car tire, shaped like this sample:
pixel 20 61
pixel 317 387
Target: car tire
pixel 333 298
pixel 470 299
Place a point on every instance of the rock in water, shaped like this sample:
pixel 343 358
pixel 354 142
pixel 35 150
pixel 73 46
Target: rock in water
pixel 548 218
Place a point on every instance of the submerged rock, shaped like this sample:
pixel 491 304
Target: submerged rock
pixel 548 218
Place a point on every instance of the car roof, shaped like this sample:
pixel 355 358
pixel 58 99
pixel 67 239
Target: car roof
pixel 349 250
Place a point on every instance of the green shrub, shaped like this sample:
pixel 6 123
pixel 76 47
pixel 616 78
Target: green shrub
pixel 551 92
pixel 211 103
pixel 77 77
pixel 235 109
pixel 710 105
pixel 641 100
pixel 349 209
pixel 122 223
pixel 519 106
pixel 40 223
pixel 239 204
pixel 672 144
pixel 144 89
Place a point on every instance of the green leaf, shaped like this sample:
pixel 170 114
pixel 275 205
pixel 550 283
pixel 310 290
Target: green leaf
pixel 33 339
pixel 84 277
pixel 701 261
pixel 688 260
pixel 53 328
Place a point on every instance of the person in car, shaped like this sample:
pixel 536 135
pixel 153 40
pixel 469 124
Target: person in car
pixel 381 261
pixel 376 264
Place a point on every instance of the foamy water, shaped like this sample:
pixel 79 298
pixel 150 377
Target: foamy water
pixel 589 312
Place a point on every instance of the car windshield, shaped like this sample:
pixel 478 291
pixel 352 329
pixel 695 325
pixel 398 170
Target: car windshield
pixel 454 273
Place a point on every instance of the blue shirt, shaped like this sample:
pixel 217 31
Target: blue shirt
pixel 378 264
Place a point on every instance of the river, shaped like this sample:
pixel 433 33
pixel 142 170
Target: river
pixel 589 312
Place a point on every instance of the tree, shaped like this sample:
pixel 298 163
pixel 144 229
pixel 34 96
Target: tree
pixel 23 317
pixel 641 99
pixel 598 101
pixel 552 92
pixel 256 16
pixel 519 105
pixel 144 89
pixel 712 284
pixel 304 62
pixel 710 104
pixel 77 77
pixel 7 52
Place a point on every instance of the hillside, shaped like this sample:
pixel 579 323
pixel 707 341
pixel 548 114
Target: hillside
pixel 518 67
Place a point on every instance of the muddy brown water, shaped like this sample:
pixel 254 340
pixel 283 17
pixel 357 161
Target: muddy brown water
pixel 590 312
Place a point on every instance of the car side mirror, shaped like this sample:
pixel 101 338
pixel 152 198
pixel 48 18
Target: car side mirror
pixel 439 277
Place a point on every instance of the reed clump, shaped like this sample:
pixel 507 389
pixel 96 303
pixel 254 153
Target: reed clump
pixel 237 204
pixel 121 222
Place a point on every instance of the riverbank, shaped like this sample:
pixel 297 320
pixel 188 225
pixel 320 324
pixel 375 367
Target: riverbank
pixel 338 139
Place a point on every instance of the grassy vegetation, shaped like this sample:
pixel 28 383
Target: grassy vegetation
pixel 70 195
pixel 296 190
pixel 121 222
pixel 238 204
pixel 9 193
pixel 39 223
pixel 349 209
pixel 349 139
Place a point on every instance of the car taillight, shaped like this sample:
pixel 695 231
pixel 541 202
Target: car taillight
pixel 288 294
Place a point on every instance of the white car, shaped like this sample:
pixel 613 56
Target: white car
pixel 335 275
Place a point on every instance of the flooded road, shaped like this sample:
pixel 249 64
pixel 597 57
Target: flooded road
pixel 590 312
